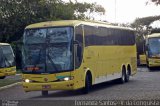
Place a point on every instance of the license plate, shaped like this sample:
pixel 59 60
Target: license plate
pixel 46 86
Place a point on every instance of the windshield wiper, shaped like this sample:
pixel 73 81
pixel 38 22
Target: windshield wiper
pixel 53 64
pixel 31 61
pixel 10 64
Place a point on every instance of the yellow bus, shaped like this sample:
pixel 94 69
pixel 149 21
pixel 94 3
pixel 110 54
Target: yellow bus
pixel 141 55
pixel 153 50
pixel 7 61
pixel 74 54
pixel 142 59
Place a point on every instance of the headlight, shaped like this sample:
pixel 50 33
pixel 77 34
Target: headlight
pixel 67 78
pixel 27 80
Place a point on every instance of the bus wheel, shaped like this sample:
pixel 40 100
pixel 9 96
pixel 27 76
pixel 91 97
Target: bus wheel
pixel 150 68
pixel 127 76
pixel 44 93
pixel 2 77
pixel 123 77
pixel 88 84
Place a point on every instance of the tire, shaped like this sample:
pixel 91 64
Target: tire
pixel 123 77
pixel 151 68
pixel 127 76
pixel 2 77
pixel 148 66
pixel 44 93
pixel 88 84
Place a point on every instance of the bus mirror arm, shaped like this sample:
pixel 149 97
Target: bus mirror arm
pixel 146 48
pixel 76 42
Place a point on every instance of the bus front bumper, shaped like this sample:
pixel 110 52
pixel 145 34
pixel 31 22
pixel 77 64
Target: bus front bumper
pixel 61 85
pixel 7 73
pixel 154 63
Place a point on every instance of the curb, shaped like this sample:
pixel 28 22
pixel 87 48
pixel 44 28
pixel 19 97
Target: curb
pixel 9 86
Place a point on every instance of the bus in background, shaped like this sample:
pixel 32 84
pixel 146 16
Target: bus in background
pixel 73 54
pixel 153 50
pixel 142 59
pixel 141 56
pixel 7 61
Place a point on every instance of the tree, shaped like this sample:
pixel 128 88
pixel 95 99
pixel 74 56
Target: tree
pixel 142 26
pixel 157 2
pixel 16 14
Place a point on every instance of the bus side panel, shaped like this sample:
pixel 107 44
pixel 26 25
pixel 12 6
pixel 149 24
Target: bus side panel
pixel 106 62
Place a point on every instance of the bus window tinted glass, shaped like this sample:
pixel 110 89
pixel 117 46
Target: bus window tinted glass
pixel 2 62
pixel 154 46
pixel 51 50
pixel 79 48
pixel 8 56
pixel 108 36
pixel 59 35
pixel 33 36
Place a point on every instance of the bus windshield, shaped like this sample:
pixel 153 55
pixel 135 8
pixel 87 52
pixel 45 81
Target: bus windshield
pixel 8 56
pixel 154 46
pixel 48 50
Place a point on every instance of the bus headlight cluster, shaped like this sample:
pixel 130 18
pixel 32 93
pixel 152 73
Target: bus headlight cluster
pixel 67 78
pixel 27 81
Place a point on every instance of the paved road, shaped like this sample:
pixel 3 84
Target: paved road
pixel 145 85
pixel 9 80
pixel 14 77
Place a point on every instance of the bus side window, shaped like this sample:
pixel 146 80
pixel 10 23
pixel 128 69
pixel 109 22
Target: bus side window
pixel 79 47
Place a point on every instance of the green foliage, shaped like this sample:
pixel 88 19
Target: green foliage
pixel 157 2
pixel 146 21
pixel 15 15
pixel 142 25
pixel 155 30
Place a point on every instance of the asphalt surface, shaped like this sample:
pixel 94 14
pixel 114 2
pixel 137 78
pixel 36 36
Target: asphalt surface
pixel 145 85
pixel 13 77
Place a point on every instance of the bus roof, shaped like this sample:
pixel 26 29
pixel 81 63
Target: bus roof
pixel 154 35
pixel 73 23
pixel 4 44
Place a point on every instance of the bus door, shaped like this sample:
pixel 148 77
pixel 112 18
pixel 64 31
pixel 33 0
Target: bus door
pixel 78 46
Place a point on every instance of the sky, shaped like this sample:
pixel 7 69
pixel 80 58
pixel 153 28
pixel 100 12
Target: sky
pixel 126 10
